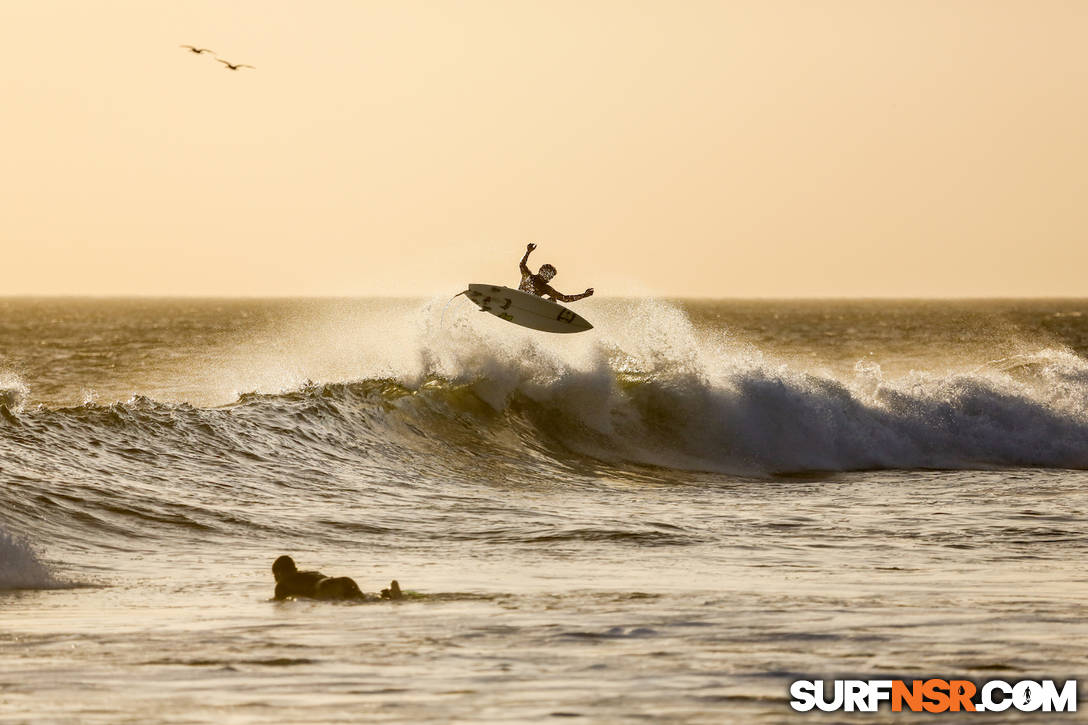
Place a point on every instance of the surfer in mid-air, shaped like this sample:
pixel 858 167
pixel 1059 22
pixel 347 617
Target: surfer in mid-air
pixel 537 284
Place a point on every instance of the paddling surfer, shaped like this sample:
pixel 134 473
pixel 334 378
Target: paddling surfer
pixel 537 284
pixel 290 582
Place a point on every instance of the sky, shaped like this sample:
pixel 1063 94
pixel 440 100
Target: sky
pixel 765 148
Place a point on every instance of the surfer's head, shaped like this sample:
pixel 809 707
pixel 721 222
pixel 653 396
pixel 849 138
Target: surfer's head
pixel 547 272
pixel 283 567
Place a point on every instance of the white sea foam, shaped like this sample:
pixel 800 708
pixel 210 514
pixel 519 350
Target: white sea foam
pixel 661 391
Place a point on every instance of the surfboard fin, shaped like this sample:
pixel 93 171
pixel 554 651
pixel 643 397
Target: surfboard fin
pixel 442 322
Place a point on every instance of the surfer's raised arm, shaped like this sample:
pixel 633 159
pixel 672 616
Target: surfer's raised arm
pixel 525 260
pixel 560 297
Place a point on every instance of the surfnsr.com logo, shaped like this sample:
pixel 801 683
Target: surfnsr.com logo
pixel 934 695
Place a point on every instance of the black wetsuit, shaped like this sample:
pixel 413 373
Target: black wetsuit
pixel 534 284
pixel 299 584
pixel 290 582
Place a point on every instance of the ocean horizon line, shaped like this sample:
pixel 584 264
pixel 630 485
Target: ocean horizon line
pixel 424 296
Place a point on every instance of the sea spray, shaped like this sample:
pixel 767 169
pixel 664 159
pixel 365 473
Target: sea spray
pixel 20 567
pixel 13 391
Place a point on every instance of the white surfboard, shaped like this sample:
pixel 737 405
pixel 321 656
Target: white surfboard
pixel 526 309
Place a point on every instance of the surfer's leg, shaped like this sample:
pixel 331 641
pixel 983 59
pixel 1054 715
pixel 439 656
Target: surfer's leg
pixel 339 587
pixel 393 592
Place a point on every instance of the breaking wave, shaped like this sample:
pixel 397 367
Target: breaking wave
pixel 442 413
pixel 745 418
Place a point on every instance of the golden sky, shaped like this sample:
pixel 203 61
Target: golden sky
pixel 711 149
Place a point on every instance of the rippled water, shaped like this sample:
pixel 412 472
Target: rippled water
pixel 669 517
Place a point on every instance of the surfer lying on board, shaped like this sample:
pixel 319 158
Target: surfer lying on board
pixel 537 284
pixel 290 582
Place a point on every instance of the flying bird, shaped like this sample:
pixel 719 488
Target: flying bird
pixel 234 66
pixel 198 51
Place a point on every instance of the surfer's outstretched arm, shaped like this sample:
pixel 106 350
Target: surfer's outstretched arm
pixel 560 297
pixel 525 260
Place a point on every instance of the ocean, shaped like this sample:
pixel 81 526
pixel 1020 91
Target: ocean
pixel 668 518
